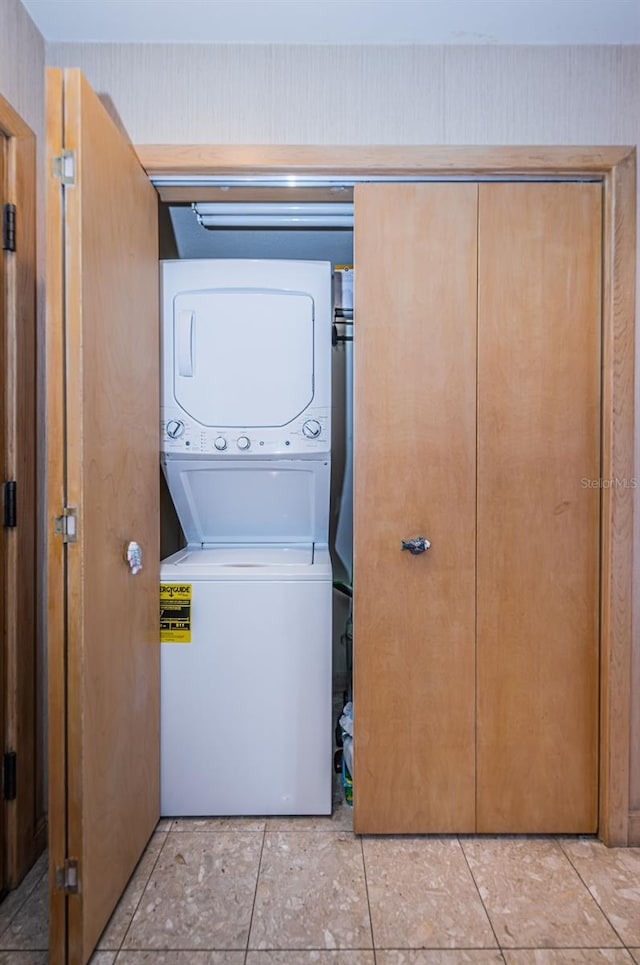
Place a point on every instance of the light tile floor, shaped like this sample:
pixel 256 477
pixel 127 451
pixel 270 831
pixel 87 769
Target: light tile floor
pixel 297 891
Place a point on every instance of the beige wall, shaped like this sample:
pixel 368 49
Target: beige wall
pixel 375 95
pixel 366 95
pixel 22 64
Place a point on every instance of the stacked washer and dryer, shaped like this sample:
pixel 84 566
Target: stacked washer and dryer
pixel 245 444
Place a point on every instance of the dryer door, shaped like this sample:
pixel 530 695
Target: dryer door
pixel 243 358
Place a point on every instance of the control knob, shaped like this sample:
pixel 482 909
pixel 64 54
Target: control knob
pixel 174 428
pixel 312 428
pixel 243 443
pixel 220 443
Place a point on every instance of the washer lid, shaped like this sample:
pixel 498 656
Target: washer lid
pixel 243 357
pixel 269 501
pixel 240 556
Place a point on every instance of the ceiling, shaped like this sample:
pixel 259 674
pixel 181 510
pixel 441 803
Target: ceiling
pixel 339 21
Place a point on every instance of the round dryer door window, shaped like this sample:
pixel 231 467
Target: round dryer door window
pixel 243 358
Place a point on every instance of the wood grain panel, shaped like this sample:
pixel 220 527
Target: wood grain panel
pixel 19 458
pixel 264 159
pixel 620 752
pixel 21 466
pixel 22 63
pixel 634 829
pixel 55 474
pixel 415 365
pixel 112 351
pixel 539 313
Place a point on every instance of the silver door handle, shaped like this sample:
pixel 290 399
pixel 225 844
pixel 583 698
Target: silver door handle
pixel 416 545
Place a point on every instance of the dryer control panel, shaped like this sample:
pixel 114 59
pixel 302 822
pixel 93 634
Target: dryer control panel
pixel 309 433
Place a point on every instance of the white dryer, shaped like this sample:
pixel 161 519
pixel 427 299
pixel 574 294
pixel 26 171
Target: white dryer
pixel 245 440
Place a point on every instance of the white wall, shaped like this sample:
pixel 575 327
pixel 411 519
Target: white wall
pixel 376 95
pixel 366 95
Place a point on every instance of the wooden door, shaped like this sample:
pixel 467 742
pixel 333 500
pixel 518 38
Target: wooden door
pixel 102 412
pixel 538 506
pixel 414 475
pixel 3 549
pixel 476 665
pixel 24 822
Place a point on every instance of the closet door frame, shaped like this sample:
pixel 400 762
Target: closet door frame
pixel 615 168
pixel 25 826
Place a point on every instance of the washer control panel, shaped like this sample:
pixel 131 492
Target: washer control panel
pixel 311 432
pixel 174 428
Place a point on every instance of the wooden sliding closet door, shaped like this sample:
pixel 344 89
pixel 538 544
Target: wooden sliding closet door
pixel 538 515
pixel 415 401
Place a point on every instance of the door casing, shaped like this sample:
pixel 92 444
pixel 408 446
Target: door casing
pixel 24 818
pixel 5 534
pixel 615 167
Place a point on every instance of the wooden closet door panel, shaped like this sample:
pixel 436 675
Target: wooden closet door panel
pixel 415 426
pixel 104 648
pixel 538 515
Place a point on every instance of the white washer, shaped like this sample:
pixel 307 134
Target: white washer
pixel 245 439
pixel 246 706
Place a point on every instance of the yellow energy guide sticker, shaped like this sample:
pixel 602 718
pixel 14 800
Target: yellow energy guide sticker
pixel 175 613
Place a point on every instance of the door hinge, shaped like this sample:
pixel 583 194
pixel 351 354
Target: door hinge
pixel 64 167
pixel 9 778
pixel 9 507
pixel 9 227
pixel 67 877
pixel 66 525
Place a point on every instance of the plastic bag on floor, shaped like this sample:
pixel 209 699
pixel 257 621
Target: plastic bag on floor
pixel 346 727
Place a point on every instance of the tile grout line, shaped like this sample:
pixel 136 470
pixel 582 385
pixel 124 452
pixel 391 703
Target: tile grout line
pixel 593 898
pixel 366 888
pixel 556 948
pixel 255 892
pixel 22 902
pixel 442 948
pixel 142 893
pixel 484 907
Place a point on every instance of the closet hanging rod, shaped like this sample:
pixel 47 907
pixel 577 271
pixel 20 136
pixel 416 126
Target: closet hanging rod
pixel 274 214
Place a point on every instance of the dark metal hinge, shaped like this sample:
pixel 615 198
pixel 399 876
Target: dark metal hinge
pixel 9 506
pixel 67 877
pixel 9 227
pixel 9 775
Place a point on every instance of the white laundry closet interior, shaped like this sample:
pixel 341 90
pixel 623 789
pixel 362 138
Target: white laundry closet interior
pixel 255 443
